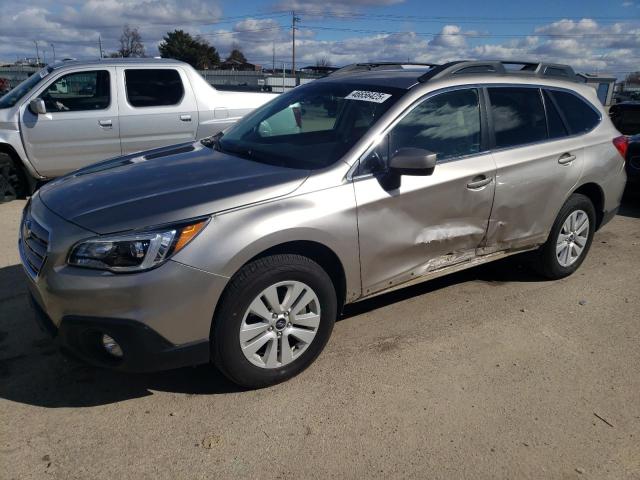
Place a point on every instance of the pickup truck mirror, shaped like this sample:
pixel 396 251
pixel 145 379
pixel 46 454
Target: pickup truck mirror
pixel 37 106
pixel 413 161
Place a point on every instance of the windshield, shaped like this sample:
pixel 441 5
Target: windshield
pixel 310 127
pixel 13 96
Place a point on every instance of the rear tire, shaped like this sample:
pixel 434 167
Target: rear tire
pixel 13 183
pixel 569 240
pixel 274 319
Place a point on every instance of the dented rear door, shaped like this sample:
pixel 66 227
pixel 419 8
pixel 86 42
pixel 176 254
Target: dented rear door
pixel 538 165
pixel 532 183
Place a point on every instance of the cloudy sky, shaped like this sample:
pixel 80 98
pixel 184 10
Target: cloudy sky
pixel 591 35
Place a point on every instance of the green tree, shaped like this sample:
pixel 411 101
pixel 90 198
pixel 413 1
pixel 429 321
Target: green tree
pixel 197 52
pixel 237 55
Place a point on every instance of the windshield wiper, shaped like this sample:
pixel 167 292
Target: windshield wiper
pixel 212 141
pixel 239 151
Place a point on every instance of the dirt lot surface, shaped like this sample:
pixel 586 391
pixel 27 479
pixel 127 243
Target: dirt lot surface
pixel 490 373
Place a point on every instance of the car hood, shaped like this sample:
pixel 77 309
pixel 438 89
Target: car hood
pixel 162 186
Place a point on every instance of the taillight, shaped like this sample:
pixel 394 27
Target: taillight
pixel 622 144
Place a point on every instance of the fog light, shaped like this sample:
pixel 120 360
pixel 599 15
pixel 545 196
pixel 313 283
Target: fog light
pixel 111 346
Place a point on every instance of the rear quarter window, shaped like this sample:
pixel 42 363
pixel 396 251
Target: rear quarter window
pixel 579 115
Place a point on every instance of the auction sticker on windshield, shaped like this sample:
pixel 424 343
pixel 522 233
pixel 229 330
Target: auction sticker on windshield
pixel 365 96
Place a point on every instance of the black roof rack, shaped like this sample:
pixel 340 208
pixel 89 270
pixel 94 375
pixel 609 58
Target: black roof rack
pixel 501 67
pixel 361 67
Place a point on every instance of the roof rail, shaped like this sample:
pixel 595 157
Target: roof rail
pixel 360 67
pixel 501 67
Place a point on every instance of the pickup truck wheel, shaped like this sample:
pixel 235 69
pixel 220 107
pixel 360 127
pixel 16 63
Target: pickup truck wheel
pixel 570 238
pixel 274 319
pixel 12 182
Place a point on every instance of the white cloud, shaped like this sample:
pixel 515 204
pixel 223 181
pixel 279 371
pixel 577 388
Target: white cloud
pixel 449 37
pixel 331 7
pixel 74 26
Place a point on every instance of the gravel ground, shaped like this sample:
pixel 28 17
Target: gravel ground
pixel 489 373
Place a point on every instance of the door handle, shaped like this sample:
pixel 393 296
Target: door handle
pixel 566 159
pixel 479 182
pixel 185 118
pixel 105 123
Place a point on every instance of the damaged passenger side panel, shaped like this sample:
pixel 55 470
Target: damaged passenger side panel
pixel 428 223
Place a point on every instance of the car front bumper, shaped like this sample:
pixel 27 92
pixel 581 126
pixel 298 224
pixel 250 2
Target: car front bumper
pixel 161 318
pixel 144 349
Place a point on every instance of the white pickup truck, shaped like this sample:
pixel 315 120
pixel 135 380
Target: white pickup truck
pixel 75 113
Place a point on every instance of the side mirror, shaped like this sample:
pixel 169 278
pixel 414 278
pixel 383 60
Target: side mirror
pixel 413 161
pixel 37 106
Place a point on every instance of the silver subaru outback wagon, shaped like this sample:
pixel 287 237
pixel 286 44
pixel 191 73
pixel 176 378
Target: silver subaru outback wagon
pixel 242 249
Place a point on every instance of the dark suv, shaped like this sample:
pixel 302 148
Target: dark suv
pixel 626 118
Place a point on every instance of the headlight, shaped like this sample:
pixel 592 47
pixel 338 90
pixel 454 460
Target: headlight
pixel 136 251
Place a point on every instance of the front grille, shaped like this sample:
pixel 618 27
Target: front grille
pixel 34 240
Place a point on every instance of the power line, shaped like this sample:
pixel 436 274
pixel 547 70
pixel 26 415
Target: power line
pixel 474 18
pixel 474 34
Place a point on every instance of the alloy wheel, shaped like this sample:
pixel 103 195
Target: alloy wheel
pixel 280 324
pixel 572 238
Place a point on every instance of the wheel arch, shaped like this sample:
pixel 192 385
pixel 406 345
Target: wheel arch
pixel 319 253
pixel 7 149
pixel 316 251
pixel 594 193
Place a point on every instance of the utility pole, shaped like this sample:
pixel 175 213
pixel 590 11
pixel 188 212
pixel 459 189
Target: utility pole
pixel 294 20
pixel 37 53
pixel 273 57
pixel 54 52
pixel 100 45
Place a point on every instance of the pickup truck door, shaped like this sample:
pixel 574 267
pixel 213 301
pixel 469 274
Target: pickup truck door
pixel 157 107
pixel 81 124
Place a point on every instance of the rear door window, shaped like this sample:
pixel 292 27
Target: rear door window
pixel 153 87
pixel 518 116
pixel 556 125
pixel 580 116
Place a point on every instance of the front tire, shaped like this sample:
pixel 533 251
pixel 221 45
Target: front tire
pixel 570 238
pixel 275 318
pixel 13 184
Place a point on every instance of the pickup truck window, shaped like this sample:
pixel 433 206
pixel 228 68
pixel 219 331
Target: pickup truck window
pixel 153 87
pixel 78 92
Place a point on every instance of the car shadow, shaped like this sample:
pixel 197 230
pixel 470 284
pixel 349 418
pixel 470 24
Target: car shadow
pixel 630 206
pixel 516 268
pixel 34 372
